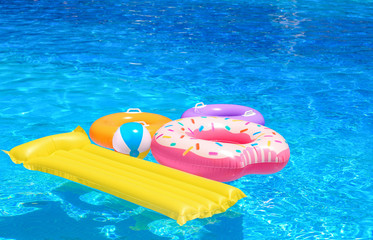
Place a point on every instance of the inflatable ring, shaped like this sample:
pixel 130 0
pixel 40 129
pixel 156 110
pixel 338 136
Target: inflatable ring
pixel 222 149
pixel 225 110
pixel 103 129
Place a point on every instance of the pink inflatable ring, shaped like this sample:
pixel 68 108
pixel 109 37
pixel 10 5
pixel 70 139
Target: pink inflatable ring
pixel 222 149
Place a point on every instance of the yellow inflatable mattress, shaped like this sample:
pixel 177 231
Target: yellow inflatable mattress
pixel 174 193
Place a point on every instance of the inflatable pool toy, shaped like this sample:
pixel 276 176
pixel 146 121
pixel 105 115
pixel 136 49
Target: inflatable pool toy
pixel 225 110
pixel 133 139
pixel 221 149
pixel 174 193
pixel 103 129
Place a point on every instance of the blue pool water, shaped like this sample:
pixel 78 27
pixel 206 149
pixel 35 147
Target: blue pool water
pixel 305 65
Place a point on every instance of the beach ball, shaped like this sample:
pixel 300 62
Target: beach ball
pixel 132 139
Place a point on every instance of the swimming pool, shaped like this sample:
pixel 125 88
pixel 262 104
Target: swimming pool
pixel 305 65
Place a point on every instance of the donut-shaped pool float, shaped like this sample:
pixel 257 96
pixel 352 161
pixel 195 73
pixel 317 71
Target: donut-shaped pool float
pixel 103 129
pixel 225 110
pixel 222 149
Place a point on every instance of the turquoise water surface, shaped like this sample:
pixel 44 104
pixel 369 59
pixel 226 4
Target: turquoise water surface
pixel 305 65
